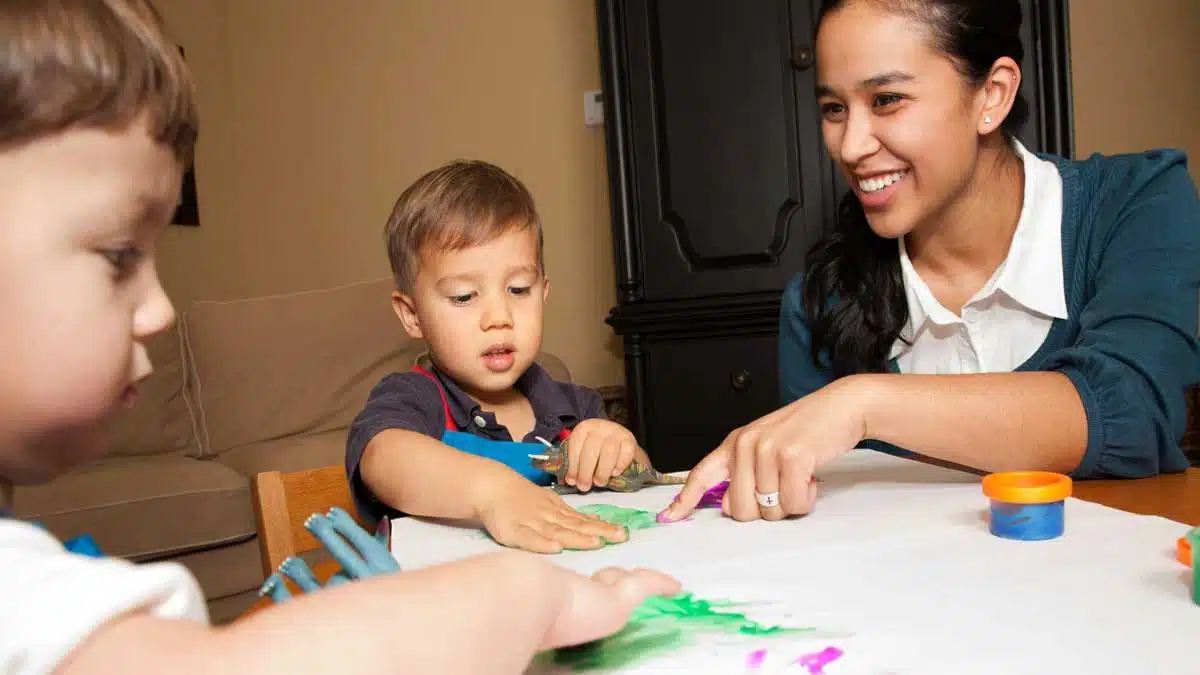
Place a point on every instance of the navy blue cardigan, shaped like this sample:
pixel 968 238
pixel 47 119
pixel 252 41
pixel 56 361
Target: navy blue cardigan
pixel 1131 271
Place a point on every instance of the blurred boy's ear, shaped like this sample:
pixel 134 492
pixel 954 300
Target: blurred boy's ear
pixel 545 287
pixel 407 311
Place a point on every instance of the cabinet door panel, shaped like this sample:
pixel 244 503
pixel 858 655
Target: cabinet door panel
pixel 725 143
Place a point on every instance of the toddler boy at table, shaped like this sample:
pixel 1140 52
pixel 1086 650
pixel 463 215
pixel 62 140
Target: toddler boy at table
pixel 97 122
pixel 453 439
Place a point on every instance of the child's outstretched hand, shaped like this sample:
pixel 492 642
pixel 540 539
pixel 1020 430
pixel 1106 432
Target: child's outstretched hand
pixel 519 514
pixel 598 450
pixel 600 605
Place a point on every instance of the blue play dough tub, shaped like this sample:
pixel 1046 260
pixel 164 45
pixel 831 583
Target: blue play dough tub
pixel 1028 522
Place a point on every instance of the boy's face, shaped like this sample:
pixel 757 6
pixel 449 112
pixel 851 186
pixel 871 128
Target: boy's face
pixel 480 310
pixel 80 214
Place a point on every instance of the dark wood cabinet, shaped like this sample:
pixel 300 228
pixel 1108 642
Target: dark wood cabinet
pixel 720 184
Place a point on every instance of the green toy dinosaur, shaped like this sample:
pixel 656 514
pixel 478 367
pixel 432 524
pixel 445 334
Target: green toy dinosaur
pixel 635 477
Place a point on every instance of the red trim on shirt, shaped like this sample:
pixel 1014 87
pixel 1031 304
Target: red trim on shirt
pixel 450 426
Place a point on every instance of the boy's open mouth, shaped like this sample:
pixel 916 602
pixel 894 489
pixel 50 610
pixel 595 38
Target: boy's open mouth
pixel 499 357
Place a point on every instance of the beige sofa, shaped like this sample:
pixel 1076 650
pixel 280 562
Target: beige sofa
pixel 240 387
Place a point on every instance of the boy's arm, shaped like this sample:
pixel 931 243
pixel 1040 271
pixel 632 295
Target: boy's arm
pixel 394 455
pixel 485 614
pixel 421 476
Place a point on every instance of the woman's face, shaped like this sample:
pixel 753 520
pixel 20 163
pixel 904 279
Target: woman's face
pixel 897 116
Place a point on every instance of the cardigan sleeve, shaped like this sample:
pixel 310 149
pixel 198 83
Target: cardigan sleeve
pixel 798 375
pixel 1136 352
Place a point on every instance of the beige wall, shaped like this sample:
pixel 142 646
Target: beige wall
pixel 316 114
pixel 1135 66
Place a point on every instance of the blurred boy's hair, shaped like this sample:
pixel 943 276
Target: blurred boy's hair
pixel 459 205
pixel 92 64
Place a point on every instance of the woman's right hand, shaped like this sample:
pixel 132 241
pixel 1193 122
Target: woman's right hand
pixel 770 462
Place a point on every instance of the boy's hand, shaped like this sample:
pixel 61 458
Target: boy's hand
pixel 600 605
pixel 519 514
pixel 598 450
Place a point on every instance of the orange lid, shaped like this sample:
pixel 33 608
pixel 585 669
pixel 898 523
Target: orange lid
pixel 1183 551
pixel 1027 487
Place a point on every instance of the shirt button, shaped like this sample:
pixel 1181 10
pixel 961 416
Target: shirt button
pixel 480 422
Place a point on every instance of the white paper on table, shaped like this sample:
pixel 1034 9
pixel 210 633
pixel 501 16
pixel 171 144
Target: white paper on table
pixel 898 556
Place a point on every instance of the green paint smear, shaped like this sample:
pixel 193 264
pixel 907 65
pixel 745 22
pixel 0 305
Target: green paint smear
pixel 658 625
pixel 630 519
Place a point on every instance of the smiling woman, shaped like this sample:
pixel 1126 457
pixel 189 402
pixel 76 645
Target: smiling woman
pixel 976 303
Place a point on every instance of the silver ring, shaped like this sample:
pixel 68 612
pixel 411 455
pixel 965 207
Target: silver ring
pixel 767 500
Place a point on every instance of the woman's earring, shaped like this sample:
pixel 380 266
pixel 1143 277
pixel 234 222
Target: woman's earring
pixel 987 119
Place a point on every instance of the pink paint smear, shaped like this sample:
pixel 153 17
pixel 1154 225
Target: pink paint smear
pixel 816 662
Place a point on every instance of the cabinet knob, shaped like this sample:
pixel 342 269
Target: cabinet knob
pixel 802 57
pixel 740 380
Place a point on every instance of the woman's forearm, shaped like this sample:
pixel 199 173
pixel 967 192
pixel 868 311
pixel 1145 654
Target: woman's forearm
pixel 988 421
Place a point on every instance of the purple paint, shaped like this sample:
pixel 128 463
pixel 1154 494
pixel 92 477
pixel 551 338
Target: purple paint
pixel 816 662
pixel 713 496
pixel 710 499
pixel 756 657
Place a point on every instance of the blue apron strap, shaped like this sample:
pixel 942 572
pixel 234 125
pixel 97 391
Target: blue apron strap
pixel 512 454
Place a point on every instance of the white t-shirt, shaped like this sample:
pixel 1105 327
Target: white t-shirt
pixel 52 599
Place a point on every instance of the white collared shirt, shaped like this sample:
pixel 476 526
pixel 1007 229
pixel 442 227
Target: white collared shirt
pixel 1008 319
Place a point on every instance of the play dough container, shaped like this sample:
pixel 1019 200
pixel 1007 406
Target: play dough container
pixel 1027 505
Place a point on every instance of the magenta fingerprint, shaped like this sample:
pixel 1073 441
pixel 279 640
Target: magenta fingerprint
pixel 712 497
pixel 816 662
pixel 755 659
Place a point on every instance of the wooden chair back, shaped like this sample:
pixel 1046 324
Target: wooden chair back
pixel 283 501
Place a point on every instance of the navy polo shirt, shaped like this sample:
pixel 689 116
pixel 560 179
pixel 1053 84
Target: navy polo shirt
pixel 412 401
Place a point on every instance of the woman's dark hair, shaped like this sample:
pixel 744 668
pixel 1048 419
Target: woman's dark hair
pixel 853 289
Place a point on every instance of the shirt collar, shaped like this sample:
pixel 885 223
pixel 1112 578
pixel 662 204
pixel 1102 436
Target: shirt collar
pixel 922 305
pixel 1031 274
pixel 535 384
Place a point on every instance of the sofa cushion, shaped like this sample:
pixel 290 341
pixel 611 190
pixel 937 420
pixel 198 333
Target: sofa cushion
pixel 299 453
pixel 161 422
pixel 226 570
pixel 288 365
pixel 144 508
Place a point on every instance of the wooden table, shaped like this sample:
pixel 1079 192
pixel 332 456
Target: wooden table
pixel 1173 496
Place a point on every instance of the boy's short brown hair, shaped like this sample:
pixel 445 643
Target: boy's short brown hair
pixel 92 63
pixel 459 205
